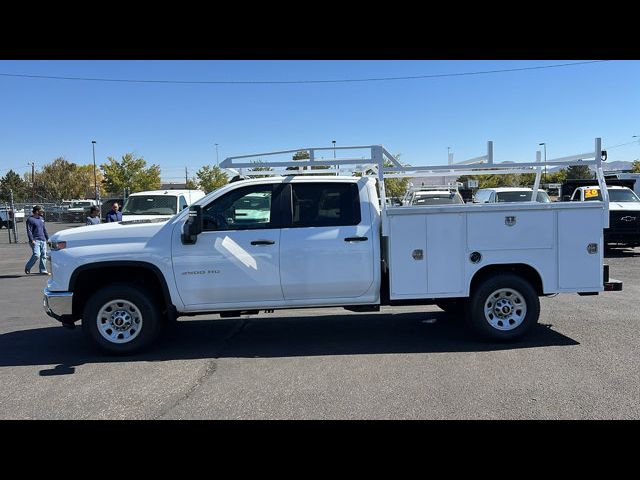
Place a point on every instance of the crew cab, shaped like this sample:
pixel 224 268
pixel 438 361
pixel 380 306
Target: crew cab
pixel 323 241
pixel 624 213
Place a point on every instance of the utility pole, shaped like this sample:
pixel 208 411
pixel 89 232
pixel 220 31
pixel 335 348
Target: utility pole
pixel 13 220
pixel 217 160
pixel 95 178
pixel 33 182
pixel 186 177
pixel 545 161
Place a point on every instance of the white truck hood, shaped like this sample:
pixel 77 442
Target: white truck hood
pixel 128 218
pixel 109 233
pixel 621 206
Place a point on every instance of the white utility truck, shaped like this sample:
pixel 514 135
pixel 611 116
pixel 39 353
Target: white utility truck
pixel 298 241
pixel 158 204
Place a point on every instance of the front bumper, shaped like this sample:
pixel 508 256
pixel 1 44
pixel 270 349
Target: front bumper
pixel 58 305
pixel 621 237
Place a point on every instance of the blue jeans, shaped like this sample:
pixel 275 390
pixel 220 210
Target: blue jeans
pixel 39 252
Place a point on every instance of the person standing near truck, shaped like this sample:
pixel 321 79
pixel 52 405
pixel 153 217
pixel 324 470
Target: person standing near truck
pixel 38 236
pixel 93 218
pixel 114 215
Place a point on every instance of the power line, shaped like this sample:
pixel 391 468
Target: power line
pixel 275 82
pixel 621 144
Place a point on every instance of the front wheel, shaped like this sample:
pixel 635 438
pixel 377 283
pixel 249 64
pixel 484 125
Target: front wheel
pixel 504 308
pixel 121 319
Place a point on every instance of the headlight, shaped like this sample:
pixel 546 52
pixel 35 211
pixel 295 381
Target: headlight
pixel 57 245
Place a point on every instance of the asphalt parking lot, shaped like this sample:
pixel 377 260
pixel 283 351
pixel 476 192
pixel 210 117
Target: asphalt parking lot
pixel 580 362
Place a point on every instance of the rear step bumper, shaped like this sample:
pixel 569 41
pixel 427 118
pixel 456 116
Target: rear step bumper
pixel 613 286
pixel 610 285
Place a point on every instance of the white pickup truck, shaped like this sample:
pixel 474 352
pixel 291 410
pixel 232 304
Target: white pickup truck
pixel 319 241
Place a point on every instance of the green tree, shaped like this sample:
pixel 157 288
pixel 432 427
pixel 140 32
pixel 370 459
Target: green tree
pixel 304 155
pixel 260 167
pixel 211 178
pixel 64 180
pixel 635 166
pixel 87 182
pixel 130 172
pixel 557 176
pixel 395 187
pixel 191 184
pixel 578 172
pixel 493 181
pixel 12 182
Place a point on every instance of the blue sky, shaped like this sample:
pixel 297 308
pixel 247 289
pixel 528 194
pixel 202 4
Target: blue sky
pixel 177 125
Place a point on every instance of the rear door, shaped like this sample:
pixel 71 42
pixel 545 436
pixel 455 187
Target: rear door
pixel 327 249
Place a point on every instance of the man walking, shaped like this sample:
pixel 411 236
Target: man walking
pixel 114 215
pixel 38 237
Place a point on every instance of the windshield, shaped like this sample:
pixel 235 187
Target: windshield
pixel 437 199
pixel 521 196
pixel 150 205
pixel 80 204
pixel 615 195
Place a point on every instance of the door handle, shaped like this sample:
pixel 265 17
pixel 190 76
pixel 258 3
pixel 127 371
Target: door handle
pixel 356 239
pixel 262 242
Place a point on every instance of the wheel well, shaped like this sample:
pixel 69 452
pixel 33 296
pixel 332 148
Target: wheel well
pixel 89 280
pixel 525 271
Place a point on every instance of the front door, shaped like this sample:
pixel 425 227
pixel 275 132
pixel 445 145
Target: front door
pixel 235 260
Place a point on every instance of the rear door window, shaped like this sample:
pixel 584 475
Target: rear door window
pixel 325 204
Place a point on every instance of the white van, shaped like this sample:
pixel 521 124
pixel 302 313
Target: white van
pixel 158 204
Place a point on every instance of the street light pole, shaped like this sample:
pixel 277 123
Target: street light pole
pixel 217 160
pixel 95 178
pixel 33 181
pixel 545 161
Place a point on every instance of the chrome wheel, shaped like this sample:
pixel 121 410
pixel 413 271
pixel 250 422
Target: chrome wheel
pixel 505 309
pixel 119 321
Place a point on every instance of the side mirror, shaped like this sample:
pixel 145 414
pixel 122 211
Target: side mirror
pixel 193 226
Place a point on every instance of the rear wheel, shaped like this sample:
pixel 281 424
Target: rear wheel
pixel 121 319
pixel 504 307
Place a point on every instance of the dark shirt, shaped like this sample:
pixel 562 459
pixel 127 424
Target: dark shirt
pixel 113 216
pixel 36 229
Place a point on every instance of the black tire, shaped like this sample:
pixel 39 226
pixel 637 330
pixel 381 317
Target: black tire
pixel 136 305
pixel 455 308
pixel 515 292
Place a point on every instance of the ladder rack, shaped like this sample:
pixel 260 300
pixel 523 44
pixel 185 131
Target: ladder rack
pixel 374 165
